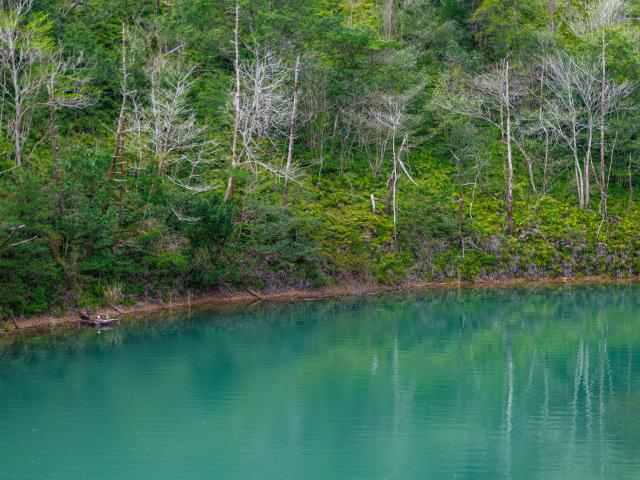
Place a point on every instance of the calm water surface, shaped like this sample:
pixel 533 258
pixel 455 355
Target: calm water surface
pixel 517 383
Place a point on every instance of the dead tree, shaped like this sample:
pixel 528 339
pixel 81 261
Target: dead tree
pixel 462 173
pixel 261 106
pixel 24 46
pixel 603 114
pixel 502 87
pixel 598 17
pixel 568 111
pixel 262 113
pixel 169 121
pixel 236 104
pixel 489 98
pixel 265 105
pixel 574 107
pixel 460 199
pixel 292 133
pixel 165 125
pixel 393 116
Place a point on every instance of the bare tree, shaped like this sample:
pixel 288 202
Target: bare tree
pixel 393 116
pixel 24 46
pixel 490 98
pixel 261 106
pixel 236 106
pixel 171 124
pixel 292 133
pixel 459 174
pixel 569 111
pixel 502 88
pixel 262 112
pixel 466 176
pixel 576 104
pixel 265 104
pixel 165 125
pixel 67 87
pixel 598 17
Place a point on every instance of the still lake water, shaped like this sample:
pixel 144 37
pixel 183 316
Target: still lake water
pixel 523 383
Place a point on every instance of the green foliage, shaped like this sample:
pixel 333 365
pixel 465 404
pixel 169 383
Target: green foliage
pixel 510 25
pixel 150 231
pixel 273 247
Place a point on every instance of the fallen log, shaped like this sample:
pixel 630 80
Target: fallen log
pixel 102 322
pixel 256 294
pixel 118 308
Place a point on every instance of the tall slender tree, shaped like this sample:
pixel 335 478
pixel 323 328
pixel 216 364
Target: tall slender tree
pixel 292 132
pixel 490 98
pixel 235 163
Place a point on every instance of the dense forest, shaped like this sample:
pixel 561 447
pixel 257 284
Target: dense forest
pixel 152 148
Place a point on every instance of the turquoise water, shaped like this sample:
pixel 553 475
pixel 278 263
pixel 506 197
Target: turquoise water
pixel 515 383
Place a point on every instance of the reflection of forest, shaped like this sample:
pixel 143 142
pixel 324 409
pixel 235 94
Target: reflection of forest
pixel 538 380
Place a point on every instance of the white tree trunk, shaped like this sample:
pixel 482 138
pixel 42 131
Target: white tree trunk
pixel 509 193
pixel 394 184
pixel 603 179
pixel 236 103
pixel 292 133
pixel 586 186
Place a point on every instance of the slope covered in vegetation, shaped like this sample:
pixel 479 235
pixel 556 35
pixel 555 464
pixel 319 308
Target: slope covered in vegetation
pixel 157 147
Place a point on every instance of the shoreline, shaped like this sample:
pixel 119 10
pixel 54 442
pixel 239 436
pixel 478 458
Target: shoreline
pixel 210 300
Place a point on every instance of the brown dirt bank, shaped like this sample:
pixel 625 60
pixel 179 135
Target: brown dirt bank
pixel 203 301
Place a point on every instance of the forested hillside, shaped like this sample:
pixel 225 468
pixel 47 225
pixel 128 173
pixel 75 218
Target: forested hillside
pixel 151 148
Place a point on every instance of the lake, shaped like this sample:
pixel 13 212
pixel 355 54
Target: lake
pixel 523 383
